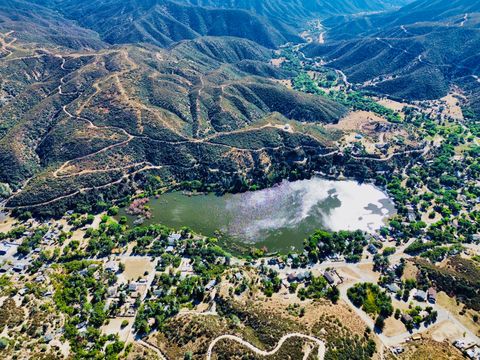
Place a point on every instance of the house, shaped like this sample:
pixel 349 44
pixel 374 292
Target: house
pixel 112 291
pixel 4 247
pixel 406 318
pixel 112 266
pixel 420 295
pixel 473 352
pixel 5 268
pixel 173 238
pixel 169 249
pixel 272 261
pixel 291 277
pixel 157 292
pixel 417 337
pixel 397 350
pixel 304 276
pixel 432 295
pixel 83 272
pixel 329 277
pixel 238 276
pixel 132 286
pixel 461 344
pixel 372 249
pixel 47 338
pixel 19 267
pixel 394 288
pixel 210 285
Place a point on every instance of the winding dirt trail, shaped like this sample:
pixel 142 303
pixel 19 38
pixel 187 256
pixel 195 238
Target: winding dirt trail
pixel 4 45
pixel 320 343
pixel 153 348
pixel 82 190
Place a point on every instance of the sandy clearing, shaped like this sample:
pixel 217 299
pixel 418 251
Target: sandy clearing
pixel 136 267
pixel 452 108
pixel 445 330
pixel 355 120
pixel 393 327
pixel 450 305
pixel 114 326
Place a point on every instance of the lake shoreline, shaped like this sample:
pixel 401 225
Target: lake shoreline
pixel 272 217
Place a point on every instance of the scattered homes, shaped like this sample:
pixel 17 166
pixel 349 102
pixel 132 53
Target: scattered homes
pixel 470 349
pixel 473 352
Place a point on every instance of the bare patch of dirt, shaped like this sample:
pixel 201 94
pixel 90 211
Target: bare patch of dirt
pixel 430 350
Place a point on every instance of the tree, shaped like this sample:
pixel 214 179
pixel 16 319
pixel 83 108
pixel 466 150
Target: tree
pixel 380 323
pixel 27 215
pixel 3 343
pixel 333 294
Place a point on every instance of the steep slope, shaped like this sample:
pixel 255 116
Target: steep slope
pixel 420 64
pixel 80 122
pixel 296 12
pixel 163 22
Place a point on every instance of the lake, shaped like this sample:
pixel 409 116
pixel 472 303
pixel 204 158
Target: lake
pixel 280 217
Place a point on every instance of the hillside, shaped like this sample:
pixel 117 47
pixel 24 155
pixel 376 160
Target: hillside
pixel 163 22
pixel 84 120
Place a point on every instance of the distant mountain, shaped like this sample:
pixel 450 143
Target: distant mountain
pixel 38 24
pixel 163 22
pixel 347 27
pixel 414 53
pixel 295 12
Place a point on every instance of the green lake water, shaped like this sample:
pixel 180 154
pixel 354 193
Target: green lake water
pixel 278 218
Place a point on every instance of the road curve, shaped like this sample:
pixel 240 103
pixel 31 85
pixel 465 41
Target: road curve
pixel 320 343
